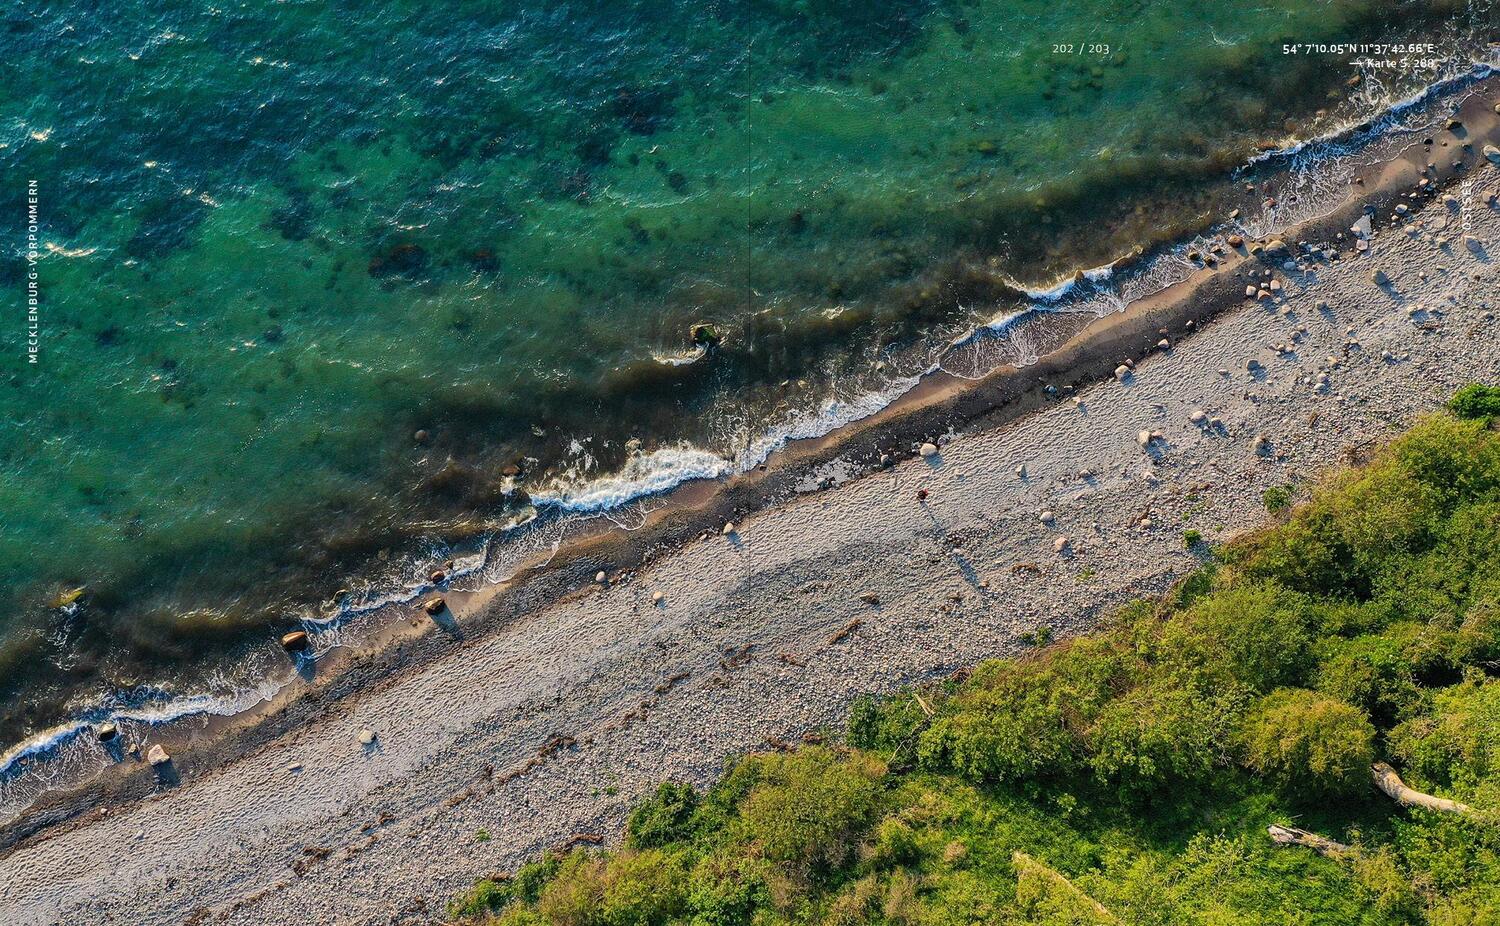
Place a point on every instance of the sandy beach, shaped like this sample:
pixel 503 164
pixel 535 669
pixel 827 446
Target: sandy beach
pixel 548 706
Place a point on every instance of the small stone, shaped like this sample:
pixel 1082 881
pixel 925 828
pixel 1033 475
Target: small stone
pixel 728 528
pixel 1121 372
pixel 601 577
pixel 1235 241
pixel 656 597
pixel 1198 416
pixel 1046 517
pixel 1059 545
pixel 1379 278
pixel 1143 438
pixel 1021 471
pixel 294 766
pixel 421 436
pixel 157 756
pixel 1490 151
pixel 1164 344
pixel 366 737
pixel 928 449
pixel 436 576
pixel 1473 244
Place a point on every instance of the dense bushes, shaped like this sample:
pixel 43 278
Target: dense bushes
pixel 1128 776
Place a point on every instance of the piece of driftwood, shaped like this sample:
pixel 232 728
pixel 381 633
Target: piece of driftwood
pixel 1291 836
pixel 1388 781
pixel 1034 881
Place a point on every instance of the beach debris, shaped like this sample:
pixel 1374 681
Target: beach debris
pixel 366 737
pixel 728 528
pixel 601 577
pixel 1059 545
pixel 921 495
pixel 157 756
pixel 294 766
pixel 1491 153
pixel 1046 517
pixel 295 641
pixel 435 605
pixel 845 631
pixel 928 449
pixel 106 732
pixel 869 598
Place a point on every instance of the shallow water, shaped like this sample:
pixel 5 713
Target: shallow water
pixel 279 239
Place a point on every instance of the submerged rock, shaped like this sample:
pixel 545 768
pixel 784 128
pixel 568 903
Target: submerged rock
pixel 706 333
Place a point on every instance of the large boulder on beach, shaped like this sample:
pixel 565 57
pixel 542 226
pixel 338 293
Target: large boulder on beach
pixel 157 756
pixel 294 642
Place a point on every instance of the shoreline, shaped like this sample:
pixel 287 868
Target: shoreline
pixel 194 705
pixel 751 586
pixel 938 404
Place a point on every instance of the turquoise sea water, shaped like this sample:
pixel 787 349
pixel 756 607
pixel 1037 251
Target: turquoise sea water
pixel 280 239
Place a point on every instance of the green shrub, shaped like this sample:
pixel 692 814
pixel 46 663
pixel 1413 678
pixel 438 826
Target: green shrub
pixel 807 808
pixel 1277 499
pixel 1476 402
pixel 1191 538
pixel 1309 745
pixel 664 817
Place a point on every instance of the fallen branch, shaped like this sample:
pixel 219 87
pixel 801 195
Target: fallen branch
pixel 1388 781
pixel 1039 887
pixel 1291 836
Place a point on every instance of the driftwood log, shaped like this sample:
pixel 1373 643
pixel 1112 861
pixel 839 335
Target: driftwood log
pixel 1291 836
pixel 1388 781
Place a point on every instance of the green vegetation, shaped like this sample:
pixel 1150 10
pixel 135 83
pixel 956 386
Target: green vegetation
pixel 1475 401
pixel 1278 499
pixel 1191 538
pixel 1129 776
